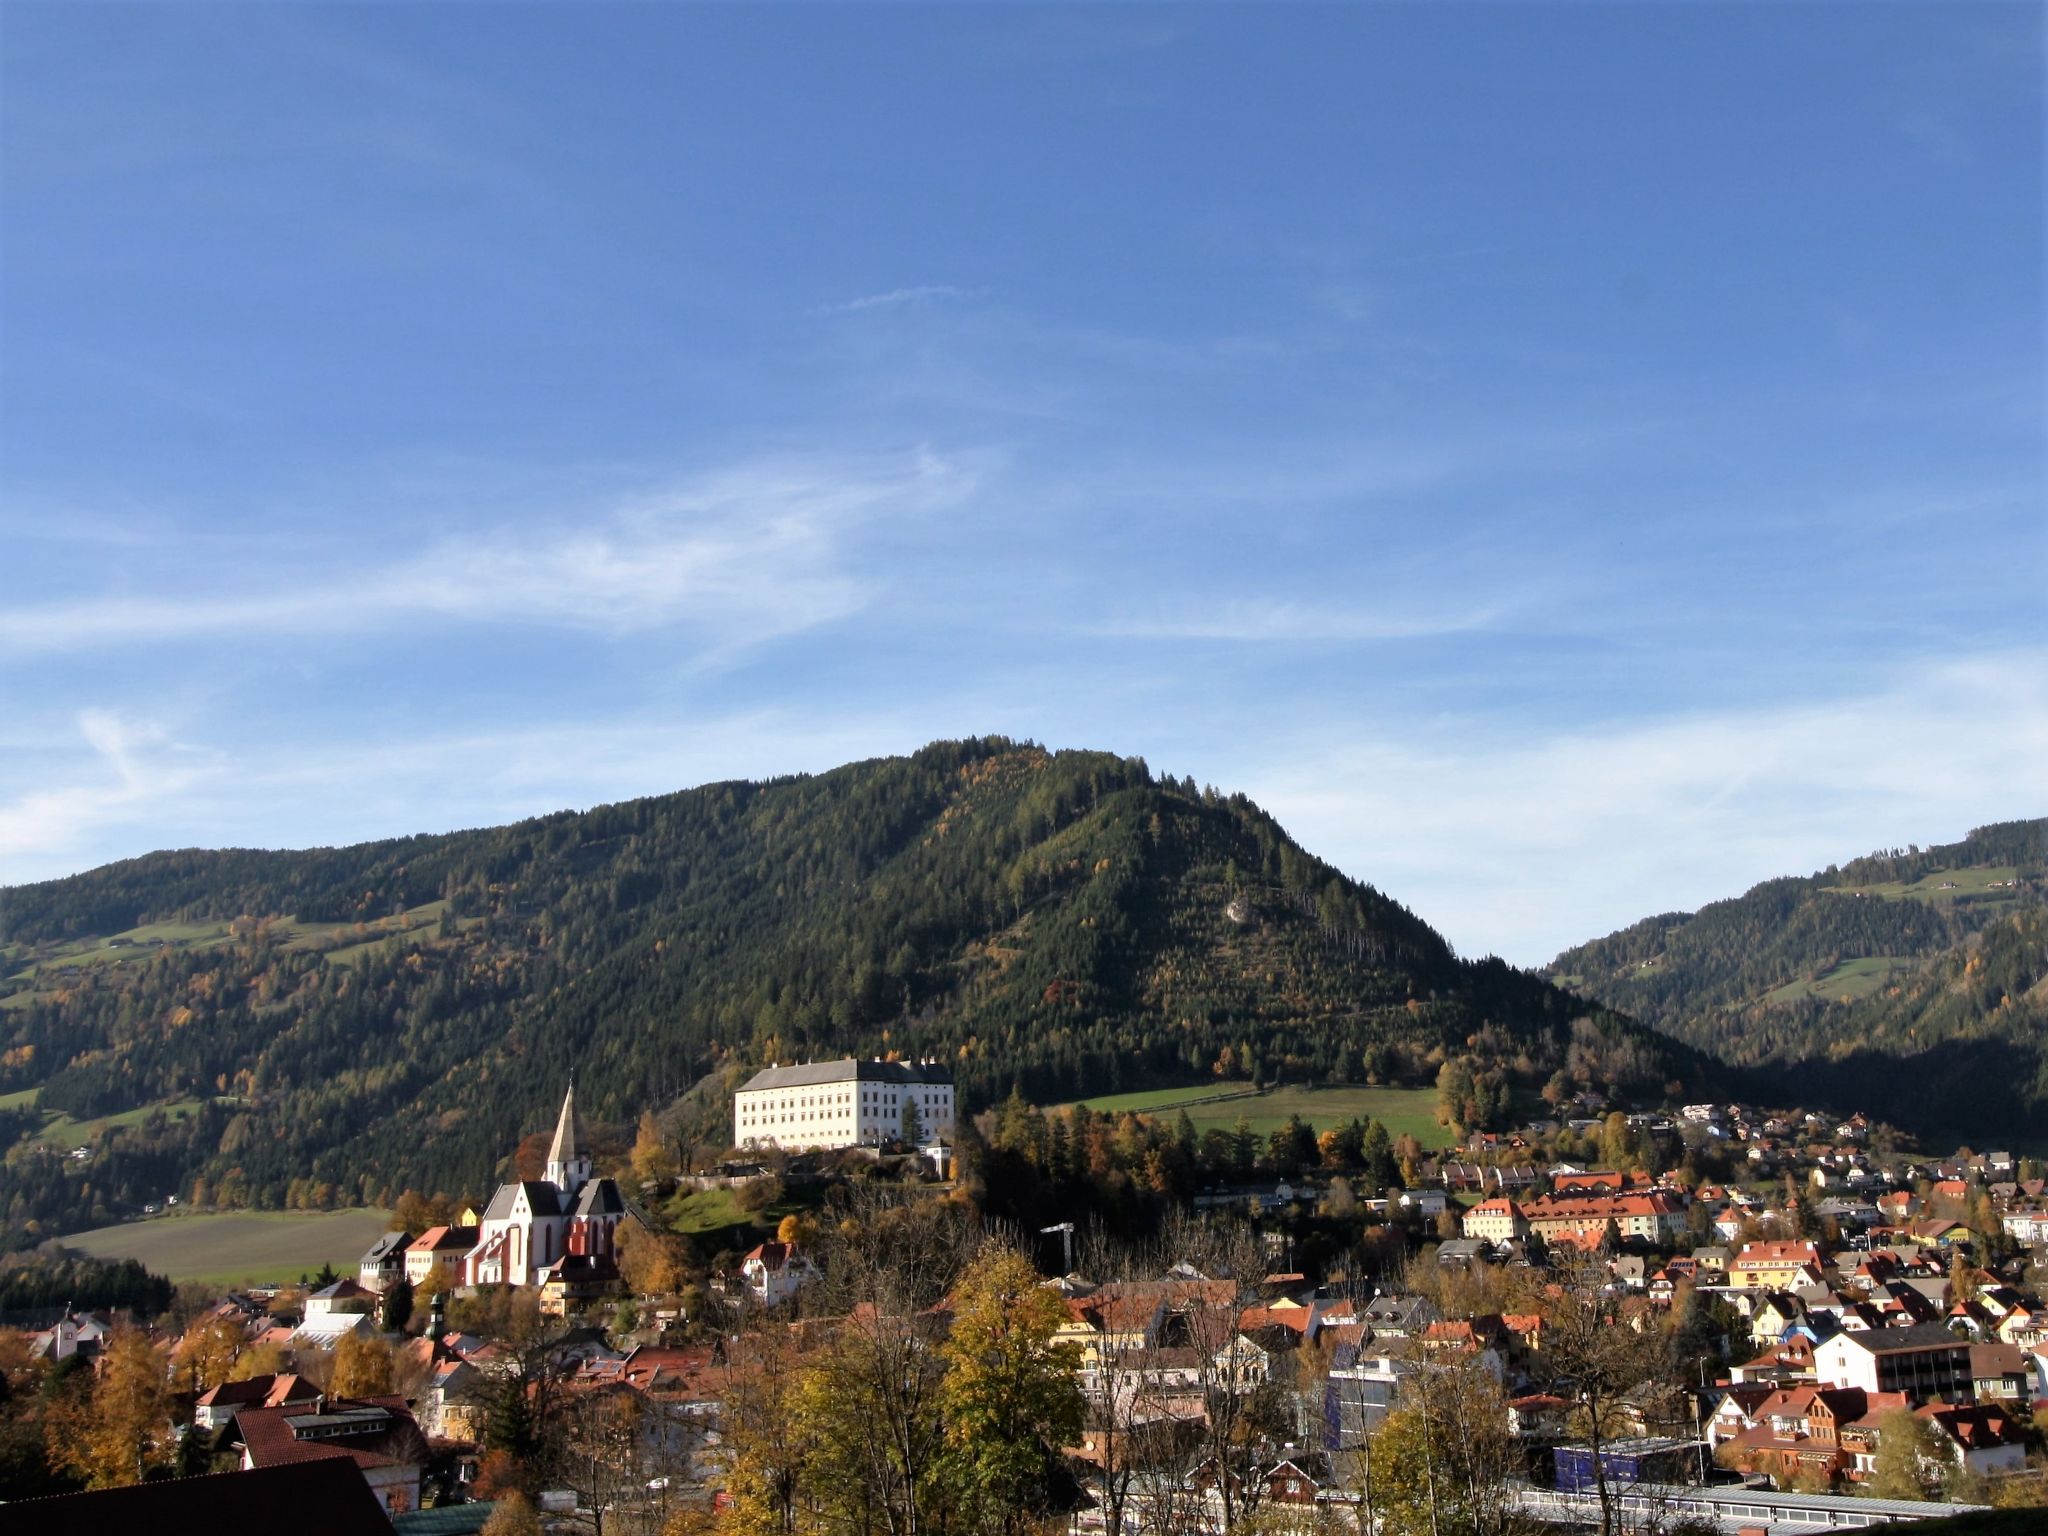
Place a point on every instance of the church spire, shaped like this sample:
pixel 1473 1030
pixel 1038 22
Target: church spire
pixel 568 1165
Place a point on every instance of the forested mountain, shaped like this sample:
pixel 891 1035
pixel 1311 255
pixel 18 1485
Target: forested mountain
pixel 1912 982
pixel 337 1023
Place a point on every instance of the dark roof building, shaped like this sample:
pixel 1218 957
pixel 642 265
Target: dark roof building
pixel 812 1074
pixel 308 1498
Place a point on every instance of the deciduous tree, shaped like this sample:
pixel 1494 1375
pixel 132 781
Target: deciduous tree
pixel 1010 1399
pixel 362 1367
pixel 124 1432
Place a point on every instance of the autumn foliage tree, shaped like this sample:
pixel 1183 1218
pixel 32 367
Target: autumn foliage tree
pixel 206 1354
pixel 1010 1399
pixel 123 1431
pixel 362 1367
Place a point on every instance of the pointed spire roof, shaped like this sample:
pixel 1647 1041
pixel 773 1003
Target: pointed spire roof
pixel 568 1133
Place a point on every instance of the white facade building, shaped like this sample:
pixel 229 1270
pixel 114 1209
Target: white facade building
pixel 841 1104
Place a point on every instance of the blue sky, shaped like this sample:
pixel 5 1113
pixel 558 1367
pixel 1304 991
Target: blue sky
pixel 1569 462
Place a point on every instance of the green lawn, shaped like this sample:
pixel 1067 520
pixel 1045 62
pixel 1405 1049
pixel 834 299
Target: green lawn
pixel 63 1131
pixel 1851 979
pixel 18 1098
pixel 1157 1100
pixel 1402 1110
pixel 295 933
pixel 707 1210
pixel 235 1247
pixel 1947 885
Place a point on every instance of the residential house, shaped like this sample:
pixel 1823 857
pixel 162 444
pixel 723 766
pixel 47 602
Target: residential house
pixel 1497 1220
pixel 774 1272
pixel 1998 1373
pixel 217 1406
pixel 439 1250
pixel 2028 1226
pixel 75 1333
pixel 384 1265
pixel 1655 1217
pixel 377 1434
pixel 1777 1266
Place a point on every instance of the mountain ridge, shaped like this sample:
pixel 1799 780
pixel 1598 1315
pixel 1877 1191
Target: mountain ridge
pixel 1912 982
pixel 1066 923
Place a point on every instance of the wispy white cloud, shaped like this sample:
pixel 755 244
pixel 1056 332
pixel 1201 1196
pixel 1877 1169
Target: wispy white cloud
pixel 924 293
pixel 294 791
pixel 1299 622
pixel 738 556
pixel 1527 846
pixel 130 770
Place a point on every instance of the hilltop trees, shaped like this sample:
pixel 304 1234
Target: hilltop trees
pixel 1053 921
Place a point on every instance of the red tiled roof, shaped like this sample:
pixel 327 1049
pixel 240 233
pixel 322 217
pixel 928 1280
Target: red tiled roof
pixel 271 1442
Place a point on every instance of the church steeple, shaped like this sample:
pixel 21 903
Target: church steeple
pixel 568 1165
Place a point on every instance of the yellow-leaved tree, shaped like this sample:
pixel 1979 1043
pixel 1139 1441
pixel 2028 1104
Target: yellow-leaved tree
pixel 123 1431
pixel 205 1356
pixel 1011 1397
pixel 362 1367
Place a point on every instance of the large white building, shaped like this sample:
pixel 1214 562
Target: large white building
pixel 841 1104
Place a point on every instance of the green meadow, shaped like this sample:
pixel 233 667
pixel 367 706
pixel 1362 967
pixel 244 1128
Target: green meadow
pixel 227 1248
pixel 1403 1111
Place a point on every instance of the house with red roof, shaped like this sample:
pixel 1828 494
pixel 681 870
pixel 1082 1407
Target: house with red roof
pixel 377 1434
pixel 774 1272
pixel 217 1406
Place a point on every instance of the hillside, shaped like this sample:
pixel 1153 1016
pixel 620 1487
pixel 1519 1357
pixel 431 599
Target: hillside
pixel 1914 983
pixel 339 1023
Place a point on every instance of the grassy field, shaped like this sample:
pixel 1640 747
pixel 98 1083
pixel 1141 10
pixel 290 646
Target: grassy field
pixel 1849 980
pixel 1993 884
pixel 63 1131
pixel 296 933
pixel 1401 1110
pixel 234 1247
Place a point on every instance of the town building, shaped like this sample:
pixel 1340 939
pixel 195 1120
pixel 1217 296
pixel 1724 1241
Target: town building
pixel 774 1272
pixel 849 1103
pixel 1582 1220
pixel 378 1434
pixel 384 1265
pixel 1497 1220
pixel 1776 1266
pixel 1925 1361
pixel 438 1249
pixel 560 1227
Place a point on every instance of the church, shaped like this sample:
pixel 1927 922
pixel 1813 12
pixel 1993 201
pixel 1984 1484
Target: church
pixel 558 1231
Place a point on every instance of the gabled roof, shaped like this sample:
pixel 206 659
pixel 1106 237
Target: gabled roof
pixel 259 1392
pixel 387 1247
pixel 821 1073
pixel 542 1199
pixel 369 1431
pixel 444 1240
pixel 343 1289
pixel 599 1197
